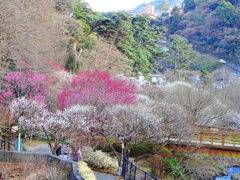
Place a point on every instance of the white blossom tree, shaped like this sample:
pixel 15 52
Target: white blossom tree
pixel 146 121
pixel 58 125
pixel 202 104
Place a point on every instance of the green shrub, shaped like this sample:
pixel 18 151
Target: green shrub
pixel 141 149
pixel 138 150
pixel 173 166
pixel 106 148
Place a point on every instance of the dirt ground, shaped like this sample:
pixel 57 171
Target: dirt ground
pixel 28 171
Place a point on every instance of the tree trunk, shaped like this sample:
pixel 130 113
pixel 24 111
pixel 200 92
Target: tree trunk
pixel 49 142
pixel 119 160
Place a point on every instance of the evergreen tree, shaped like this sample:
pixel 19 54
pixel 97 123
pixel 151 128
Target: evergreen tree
pixel 227 13
pixel 189 5
pixel 164 6
pixel 174 20
pixel 206 78
pixel 146 50
pixel 180 52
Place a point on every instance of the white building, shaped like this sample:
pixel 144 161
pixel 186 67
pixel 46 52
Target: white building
pixel 158 80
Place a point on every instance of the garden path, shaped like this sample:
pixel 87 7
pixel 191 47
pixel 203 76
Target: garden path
pixel 43 147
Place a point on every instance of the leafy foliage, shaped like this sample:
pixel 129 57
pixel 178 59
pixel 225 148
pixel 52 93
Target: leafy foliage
pixel 164 6
pixel 189 5
pixel 173 166
pixel 203 62
pixel 227 13
pixel 180 52
pixel 146 50
pixel 211 27
pixel 174 20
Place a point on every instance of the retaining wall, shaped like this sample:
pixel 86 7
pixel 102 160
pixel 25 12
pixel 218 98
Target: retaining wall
pixel 70 167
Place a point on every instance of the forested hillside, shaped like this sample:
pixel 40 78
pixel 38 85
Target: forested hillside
pixel 72 34
pixel 211 26
pixel 36 35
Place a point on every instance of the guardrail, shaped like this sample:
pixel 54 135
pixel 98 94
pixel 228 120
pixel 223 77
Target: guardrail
pixel 6 145
pixel 132 172
pixel 219 136
pixel 211 137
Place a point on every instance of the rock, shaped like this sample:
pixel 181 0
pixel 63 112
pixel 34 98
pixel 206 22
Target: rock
pixel 235 177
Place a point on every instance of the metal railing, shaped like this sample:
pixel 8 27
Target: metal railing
pixel 6 145
pixel 132 172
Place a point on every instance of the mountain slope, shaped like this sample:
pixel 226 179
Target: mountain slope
pixel 212 26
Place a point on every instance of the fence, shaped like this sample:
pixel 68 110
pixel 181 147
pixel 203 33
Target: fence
pixel 6 145
pixel 219 136
pixel 132 172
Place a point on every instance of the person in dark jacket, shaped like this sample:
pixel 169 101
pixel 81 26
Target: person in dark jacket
pixel 58 150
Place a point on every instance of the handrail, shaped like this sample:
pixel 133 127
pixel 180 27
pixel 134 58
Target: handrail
pixel 132 174
pixel 213 137
pixel 6 145
pixel 214 127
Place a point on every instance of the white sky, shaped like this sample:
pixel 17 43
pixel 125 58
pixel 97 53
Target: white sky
pixel 113 5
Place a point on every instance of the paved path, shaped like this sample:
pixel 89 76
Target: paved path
pixel 103 176
pixel 43 147
pixel 39 147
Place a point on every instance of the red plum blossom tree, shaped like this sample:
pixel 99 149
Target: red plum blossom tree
pixel 97 89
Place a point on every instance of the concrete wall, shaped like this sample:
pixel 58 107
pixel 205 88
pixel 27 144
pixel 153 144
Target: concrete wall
pixel 71 167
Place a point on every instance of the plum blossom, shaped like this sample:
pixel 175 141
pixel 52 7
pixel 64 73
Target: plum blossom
pixel 59 124
pixel 24 84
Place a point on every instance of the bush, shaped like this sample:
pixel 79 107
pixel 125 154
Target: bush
pixel 141 149
pixel 85 171
pixel 106 148
pixel 173 166
pixel 99 159
pixel 138 150
pixel 157 163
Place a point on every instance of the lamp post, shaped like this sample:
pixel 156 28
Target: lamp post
pixel 19 135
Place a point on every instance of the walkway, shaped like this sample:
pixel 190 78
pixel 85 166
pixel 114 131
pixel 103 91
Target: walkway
pixel 103 176
pixel 43 147
pixel 39 147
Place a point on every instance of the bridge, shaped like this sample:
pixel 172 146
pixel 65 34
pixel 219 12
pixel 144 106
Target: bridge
pixel 211 140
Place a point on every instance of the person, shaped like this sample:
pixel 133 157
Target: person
pixel 58 150
pixel 78 154
pixel 68 150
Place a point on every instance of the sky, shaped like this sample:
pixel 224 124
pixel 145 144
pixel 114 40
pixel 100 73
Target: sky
pixel 113 5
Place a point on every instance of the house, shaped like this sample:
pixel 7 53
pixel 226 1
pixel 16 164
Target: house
pixel 158 80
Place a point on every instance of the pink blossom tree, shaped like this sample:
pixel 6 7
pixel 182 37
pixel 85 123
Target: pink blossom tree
pixel 23 84
pixel 97 89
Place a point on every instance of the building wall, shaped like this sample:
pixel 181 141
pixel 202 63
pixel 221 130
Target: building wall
pixel 149 10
